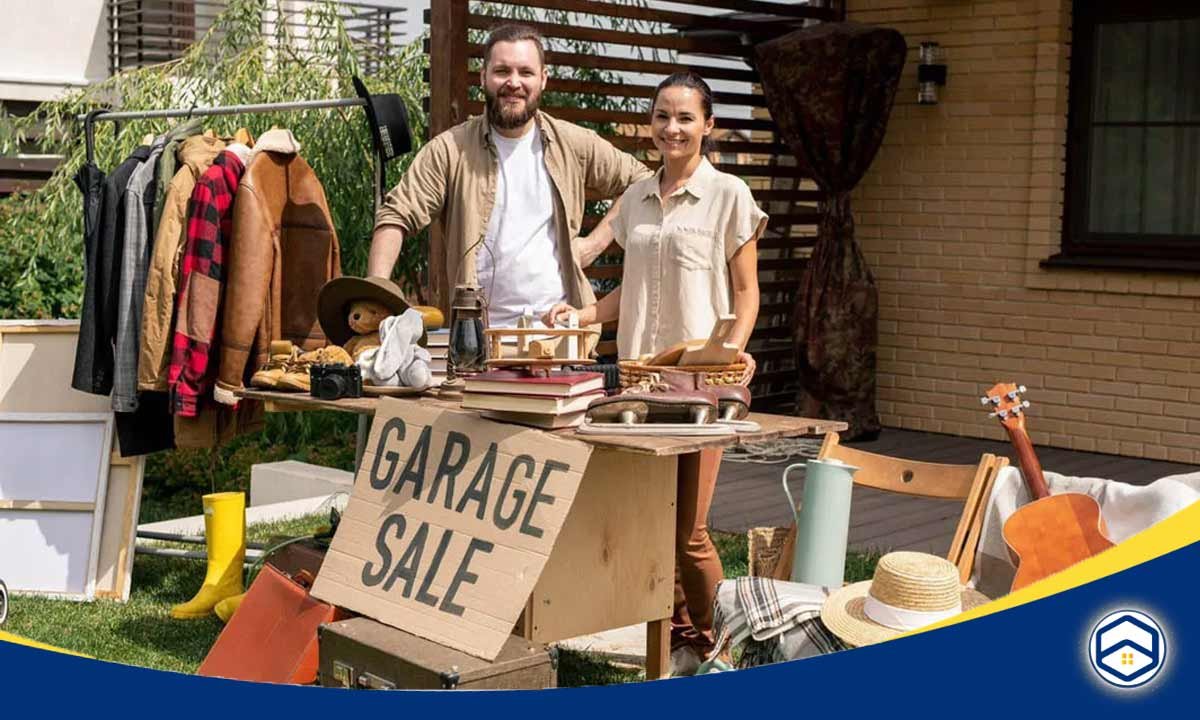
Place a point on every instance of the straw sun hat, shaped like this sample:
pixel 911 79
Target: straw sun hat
pixel 910 590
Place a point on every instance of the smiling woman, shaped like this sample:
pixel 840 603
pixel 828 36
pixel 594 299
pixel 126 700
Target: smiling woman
pixel 690 234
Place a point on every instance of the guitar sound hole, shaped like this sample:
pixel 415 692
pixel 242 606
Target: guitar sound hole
pixel 906 476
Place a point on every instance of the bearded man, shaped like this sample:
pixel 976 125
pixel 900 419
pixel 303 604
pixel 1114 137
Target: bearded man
pixel 509 188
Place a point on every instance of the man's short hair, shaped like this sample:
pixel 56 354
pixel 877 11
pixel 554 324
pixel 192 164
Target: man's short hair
pixel 514 32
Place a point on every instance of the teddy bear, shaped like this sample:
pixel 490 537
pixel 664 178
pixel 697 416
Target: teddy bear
pixel 364 317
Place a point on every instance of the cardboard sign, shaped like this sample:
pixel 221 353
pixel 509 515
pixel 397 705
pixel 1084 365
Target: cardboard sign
pixel 450 523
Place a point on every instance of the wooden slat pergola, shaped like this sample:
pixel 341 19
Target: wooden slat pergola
pixel 632 47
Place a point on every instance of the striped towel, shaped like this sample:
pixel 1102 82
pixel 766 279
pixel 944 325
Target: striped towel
pixel 771 620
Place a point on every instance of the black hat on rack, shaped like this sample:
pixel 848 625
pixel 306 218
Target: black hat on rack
pixel 388 118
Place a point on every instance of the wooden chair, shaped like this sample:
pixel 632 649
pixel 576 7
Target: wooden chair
pixel 970 483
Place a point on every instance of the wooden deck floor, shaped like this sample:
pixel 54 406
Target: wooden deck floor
pixel 749 495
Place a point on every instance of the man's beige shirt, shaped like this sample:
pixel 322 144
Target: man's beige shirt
pixel 676 279
pixel 453 178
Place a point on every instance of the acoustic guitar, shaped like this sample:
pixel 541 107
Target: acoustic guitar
pixel 1052 532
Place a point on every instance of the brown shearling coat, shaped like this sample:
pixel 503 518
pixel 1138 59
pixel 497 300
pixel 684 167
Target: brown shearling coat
pixel 283 249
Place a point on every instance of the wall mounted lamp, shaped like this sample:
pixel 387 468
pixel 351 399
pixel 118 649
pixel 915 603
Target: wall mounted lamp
pixel 931 72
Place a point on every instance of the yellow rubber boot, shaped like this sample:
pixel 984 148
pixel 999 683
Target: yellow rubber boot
pixel 225 532
pixel 227 607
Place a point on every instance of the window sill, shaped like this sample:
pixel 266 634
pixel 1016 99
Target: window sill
pixel 1131 264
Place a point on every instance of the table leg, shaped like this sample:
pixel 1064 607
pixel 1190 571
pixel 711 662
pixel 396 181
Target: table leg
pixel 658 649
pixel 360 445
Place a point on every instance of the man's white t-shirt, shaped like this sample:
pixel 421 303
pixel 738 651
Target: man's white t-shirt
pixel 518 264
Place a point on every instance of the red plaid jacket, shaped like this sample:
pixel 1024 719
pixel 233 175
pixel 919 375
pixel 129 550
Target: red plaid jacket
pixel 201 282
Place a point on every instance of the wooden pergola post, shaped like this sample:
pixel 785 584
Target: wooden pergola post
pixel 447 108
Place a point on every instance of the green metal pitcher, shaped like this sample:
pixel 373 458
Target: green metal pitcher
pixel 822 522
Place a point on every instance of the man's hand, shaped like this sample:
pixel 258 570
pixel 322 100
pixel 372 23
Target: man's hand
pixel 559 314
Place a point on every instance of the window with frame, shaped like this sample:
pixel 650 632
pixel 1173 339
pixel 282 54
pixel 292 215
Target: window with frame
pixel 1133 148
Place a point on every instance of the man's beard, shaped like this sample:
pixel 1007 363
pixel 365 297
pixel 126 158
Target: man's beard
pixel 504 118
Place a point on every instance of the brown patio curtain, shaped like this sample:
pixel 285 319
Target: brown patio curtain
pixel 830 89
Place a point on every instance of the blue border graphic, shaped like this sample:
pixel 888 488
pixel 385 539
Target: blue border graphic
pixel 1024 661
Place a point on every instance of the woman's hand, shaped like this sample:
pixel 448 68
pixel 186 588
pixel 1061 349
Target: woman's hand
pixel 748 359
pixel 559 313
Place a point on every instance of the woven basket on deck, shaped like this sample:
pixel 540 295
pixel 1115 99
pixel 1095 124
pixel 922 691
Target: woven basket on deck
pixel 632 372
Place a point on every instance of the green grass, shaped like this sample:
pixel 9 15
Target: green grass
pixel 140 632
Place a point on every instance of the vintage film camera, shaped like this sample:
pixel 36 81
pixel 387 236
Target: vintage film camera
pixel 331 382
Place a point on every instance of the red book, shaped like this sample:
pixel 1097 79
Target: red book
pixel 520 382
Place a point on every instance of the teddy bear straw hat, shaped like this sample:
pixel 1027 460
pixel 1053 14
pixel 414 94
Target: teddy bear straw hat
pixel 333 303
pixel 910 590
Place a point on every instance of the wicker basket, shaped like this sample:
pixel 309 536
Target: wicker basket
pixel 766 545
pixel 632 372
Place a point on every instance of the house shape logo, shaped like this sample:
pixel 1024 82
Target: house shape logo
pixel 1127 648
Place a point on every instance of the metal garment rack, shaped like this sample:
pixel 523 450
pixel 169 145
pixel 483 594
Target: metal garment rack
pixel 89 126
pixel 89 120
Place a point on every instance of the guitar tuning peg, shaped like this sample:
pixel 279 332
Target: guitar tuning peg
pixel 995 399
pixel 1025 403
pixel 1021 389
pixel 992 414
pixel 984 401
pixel 1012 395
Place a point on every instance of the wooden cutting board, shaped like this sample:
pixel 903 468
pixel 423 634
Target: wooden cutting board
pixel 671 355
pixel 716 351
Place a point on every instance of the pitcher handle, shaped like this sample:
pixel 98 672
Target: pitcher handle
pixel 787 491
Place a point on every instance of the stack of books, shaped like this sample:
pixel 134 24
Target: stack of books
pixel 438 347
pixel 554 401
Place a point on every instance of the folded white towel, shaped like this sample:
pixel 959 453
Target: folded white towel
pixel 399 360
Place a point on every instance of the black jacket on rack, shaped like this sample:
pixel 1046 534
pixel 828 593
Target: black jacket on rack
pixel 90 180
pixel 98 327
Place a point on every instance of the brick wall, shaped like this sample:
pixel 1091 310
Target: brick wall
pixel 962 202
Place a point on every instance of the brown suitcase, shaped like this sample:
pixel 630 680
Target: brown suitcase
pixel 363 653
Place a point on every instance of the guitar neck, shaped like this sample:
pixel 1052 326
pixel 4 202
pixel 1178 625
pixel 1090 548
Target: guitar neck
pixel 1027 458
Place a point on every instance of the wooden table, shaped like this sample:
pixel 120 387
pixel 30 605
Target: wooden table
pixel 614 562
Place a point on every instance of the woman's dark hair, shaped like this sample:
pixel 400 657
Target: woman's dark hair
pixel 689 79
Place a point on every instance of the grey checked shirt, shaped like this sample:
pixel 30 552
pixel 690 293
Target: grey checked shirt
pixel 135 259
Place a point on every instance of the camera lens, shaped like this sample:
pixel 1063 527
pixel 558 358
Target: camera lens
pixel 331 387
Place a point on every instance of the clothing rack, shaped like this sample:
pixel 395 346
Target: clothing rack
pixel 89 119
pixel 89 126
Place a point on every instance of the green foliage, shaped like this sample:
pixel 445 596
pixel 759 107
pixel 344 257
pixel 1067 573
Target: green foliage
pixel 236 62
pixel 175 480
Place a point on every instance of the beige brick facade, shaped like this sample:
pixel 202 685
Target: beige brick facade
pixel 963 201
